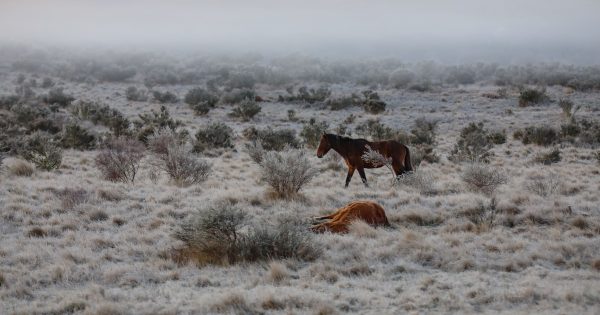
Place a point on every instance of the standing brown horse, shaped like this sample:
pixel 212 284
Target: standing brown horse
pixel 352 151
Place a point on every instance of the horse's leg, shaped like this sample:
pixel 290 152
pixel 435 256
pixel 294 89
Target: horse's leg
pixel 361 171
pixel 349 176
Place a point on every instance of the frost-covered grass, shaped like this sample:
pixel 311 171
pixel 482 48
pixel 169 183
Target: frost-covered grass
pixel 73 242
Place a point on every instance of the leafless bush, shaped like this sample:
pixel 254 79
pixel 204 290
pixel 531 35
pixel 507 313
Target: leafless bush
pixel 483 178
pixel 120 160
pixel 420 180
pixel 545 185
pixel 287 172
pixel 183 167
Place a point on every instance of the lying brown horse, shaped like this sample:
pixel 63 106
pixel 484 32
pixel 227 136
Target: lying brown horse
pixel 352 151
pixel 339 222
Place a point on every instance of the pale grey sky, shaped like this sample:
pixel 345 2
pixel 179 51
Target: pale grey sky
pixel 348 25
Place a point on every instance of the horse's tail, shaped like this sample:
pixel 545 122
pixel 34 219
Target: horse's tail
pixel 407 163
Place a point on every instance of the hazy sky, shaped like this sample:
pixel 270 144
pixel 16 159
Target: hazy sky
pixel 569 27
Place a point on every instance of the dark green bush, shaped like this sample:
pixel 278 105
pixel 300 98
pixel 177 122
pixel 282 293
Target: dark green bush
pixel 542 135
pixel 372 103
pixel 423 132
pixel 76 137
pixel 273 140
pixel 134 94
pixel 307 95
pixel 375 130
pixel 214 136
pixel 311 132
pixel 497 137
pixel 528 97
pixel 237 96
pixel 152 122
pixel 165 97
pixel 41 150
pixel 548 158
pixel 102 114
pixel 473 144
pixel 344 102
pixel 200 100
pixel 246 110
pixel 57 96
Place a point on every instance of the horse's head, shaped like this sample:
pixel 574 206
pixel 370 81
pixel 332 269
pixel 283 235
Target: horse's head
pixel 324 146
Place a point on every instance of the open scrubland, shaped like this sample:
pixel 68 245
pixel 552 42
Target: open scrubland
pixel 166 184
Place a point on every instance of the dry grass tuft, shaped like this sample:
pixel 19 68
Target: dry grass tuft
pixel 361 228
pixel 580 223
pixel 277 272
pixel 98 215
pixel 233 303
pixel 72 197
pixel 20 168
pixel 37 232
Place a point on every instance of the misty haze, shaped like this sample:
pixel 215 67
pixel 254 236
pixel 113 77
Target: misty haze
pixel 299 157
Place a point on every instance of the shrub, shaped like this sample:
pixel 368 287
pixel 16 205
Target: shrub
pixel 548 157
pixel 307 95
pixel 286 172
pixel 246 110
pixel 344 102
pixel 311 132
pixel 76 137
pixel 597 156
pixel 160 141
pixel 165 97
pixel 152 122
pixel 483 214
pixel 418 179
pixel 372 103
pixel 528 97
pixel 47 83
pixel 213 234
pixel 102 114
pixel 200 100
pixel 183 167
pixel 473 144
pixel 273 140
pixel 237 96
pixel 286 239
pixel 567 109
pixel 292 115
pixel 542 135
pixel 57 96
pixel 421 153
pixel 255 151
pixel 120 160
pixel 133 94
pixel 483 178
pixel 215 135
pixel 217 235
pixel 544 185
pixel 116 74
pixel 375 130
pixel 423 132
pixel 41 151
pixel 497 137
